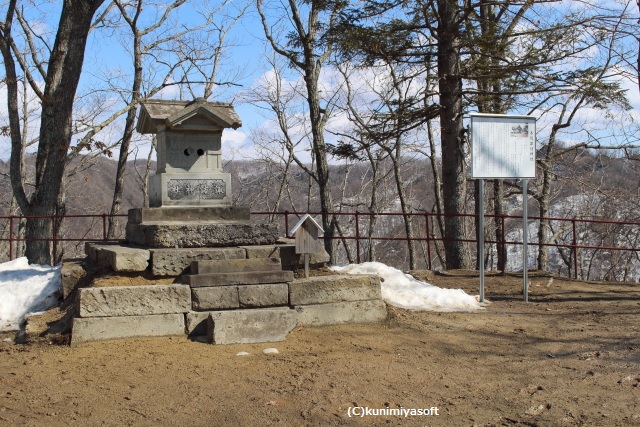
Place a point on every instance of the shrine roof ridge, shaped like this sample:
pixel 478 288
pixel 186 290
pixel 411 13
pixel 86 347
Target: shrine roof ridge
pixel 172 113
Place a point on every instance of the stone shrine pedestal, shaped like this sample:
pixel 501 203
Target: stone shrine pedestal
pixel 181 227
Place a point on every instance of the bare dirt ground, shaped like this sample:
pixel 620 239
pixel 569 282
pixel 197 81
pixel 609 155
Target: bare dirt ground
pixel 569 357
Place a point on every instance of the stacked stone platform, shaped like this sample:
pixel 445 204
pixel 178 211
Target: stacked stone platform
pixel 337 300
pixel 237 282
pixel 244 313
pixel 130 311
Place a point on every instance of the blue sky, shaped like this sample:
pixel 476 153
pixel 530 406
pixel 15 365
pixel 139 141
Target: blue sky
pixel 106 56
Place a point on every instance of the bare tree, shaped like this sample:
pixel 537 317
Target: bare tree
pixel 283 143
pixel 147 38
pixel 63 69
pixel 308 51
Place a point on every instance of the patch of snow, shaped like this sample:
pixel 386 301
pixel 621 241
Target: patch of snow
pixel 270 351
pixel 26 289
pixel 404 291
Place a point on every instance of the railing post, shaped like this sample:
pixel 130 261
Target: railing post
pixel 54 226
pixel 286 224
pixel 426 232
pixel 575 249
pixel 357 237
pixel 104 227
pixel 11 238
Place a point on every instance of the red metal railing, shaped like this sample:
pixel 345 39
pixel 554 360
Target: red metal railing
pixel 423 234
pixel 430 239
pixel 13 238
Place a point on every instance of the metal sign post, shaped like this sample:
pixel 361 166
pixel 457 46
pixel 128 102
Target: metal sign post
pixel 503 147
pixel 525 239
pixel 481 239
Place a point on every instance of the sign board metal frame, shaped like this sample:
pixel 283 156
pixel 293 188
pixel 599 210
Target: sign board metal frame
pixel 503 147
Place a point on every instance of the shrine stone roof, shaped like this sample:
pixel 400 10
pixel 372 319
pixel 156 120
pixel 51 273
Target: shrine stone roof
pixel 188 115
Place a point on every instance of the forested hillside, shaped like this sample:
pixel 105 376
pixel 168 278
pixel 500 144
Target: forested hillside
pixel 585 185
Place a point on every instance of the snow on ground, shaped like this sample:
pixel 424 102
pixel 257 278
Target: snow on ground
pixel 404 291
pixel 26 289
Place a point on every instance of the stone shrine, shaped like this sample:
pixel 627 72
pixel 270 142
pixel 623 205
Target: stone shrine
pixel 189 145
pixel 190 195
pixel 234 277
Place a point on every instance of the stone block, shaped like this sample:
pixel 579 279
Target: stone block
pixel 275 294
pixel 215 298
pixel 249 278
pixel 176 261
pixel 92 250
pixel 105 328
pixel 268 251
pixel 334 288
pixel 236 266
pixel 71 273
pixel 341 313
pixel 123 259
pixel 197 323
pixel 250 326
pixel 134 300
pixel 201 235
pixel 287 254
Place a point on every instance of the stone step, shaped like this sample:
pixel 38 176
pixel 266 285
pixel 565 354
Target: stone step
pixel 242 296
pixel 341 313
pixel 228 279
pixel 134 300
pixel 119 258
pixel 287 253
pixel 236 265
pixel 177 261
pixel 106 328
pixel 250 326
pixel 334 288
pixel 215 298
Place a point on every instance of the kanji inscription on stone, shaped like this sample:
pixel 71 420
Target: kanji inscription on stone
pixel 196 189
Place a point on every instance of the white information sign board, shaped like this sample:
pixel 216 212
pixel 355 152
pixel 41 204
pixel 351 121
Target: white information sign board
pixel 503 146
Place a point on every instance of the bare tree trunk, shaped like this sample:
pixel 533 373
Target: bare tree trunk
pixel 58 233
pixel 309 57
pixel 373 206
pixel 452 133
pixel 544 198
pixel 408 227
pixel 312 72
pixel 120 172
pixel 437 184
pixel 129 121
pixel 498 211
pixel 147 172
